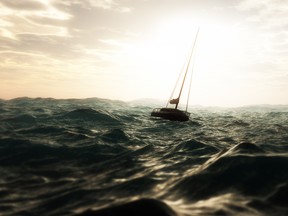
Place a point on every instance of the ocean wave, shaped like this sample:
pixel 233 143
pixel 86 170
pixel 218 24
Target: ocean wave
pixel 43 130
pixel 22 119
pixel 97 157
pixel 89 114
pixel 141 207
pixel 195 147
pixel 25 152
pixel 115 135
pixel 255 174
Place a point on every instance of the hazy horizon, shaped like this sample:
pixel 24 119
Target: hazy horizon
pixel 153 102
pixel 126 50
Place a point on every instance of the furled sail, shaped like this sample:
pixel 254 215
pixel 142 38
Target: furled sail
pixel 174 101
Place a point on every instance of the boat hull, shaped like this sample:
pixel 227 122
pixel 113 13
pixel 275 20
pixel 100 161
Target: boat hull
pixel 171 114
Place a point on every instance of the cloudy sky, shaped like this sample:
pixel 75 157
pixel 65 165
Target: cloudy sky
pixel 129 49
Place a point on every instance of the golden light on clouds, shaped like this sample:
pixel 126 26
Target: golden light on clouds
pixel 135 49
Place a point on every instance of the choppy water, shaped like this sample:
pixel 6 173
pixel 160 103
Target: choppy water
pixel 74 157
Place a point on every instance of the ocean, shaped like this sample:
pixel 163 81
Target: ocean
pixel 103 157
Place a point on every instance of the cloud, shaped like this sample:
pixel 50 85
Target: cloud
pixel 47 37
pixel 269 14
pixel 102 4
pixel 269 23
pixel 110 5
pixel 17 17
pixel 112 42
pixel 26 5
pixel 49 25
pixel 6 34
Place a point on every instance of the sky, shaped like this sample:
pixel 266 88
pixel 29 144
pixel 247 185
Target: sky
pixel 131 49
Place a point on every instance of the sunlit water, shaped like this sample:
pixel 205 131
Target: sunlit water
pixel 74 157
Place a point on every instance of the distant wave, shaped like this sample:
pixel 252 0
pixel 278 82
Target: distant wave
pixel 88 114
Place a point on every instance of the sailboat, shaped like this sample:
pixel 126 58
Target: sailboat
pixel 175 114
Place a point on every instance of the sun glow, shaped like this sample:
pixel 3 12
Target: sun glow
pixel 160 58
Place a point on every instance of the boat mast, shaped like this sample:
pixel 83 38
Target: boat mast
pixel 189 87
pixel 187 68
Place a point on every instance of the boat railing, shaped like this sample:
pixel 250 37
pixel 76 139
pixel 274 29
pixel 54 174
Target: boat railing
pixel 156 110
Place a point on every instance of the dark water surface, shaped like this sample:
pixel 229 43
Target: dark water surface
pixel 101 157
